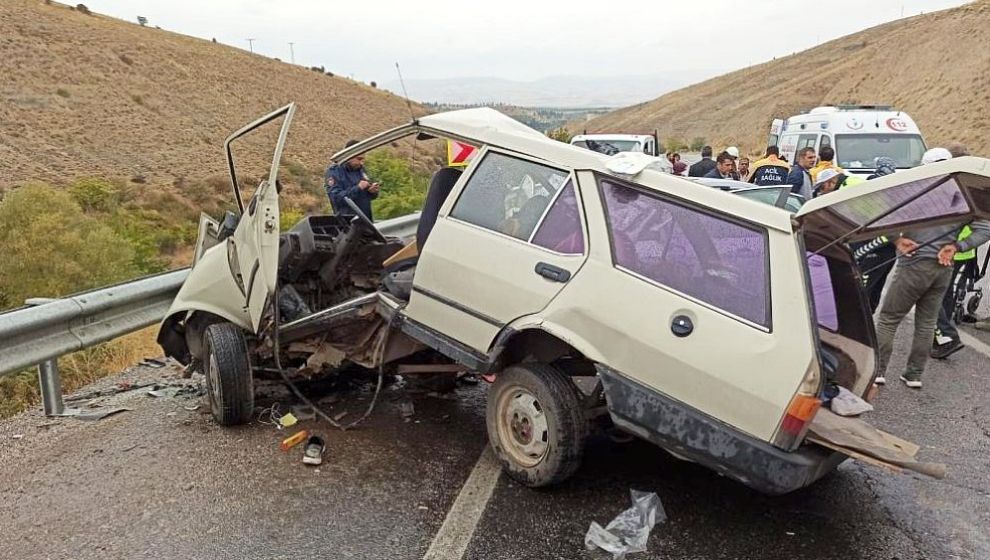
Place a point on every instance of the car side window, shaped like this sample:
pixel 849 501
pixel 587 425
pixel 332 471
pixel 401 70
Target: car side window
pixel 711 259
pixel 508 195
pixel 561 229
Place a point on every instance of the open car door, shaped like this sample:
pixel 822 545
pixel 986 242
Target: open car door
pixel 947 192
pixel 252 251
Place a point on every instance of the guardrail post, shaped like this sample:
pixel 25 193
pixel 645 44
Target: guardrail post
pixel 51 388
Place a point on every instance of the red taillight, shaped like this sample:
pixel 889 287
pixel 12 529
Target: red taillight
pixel 799 413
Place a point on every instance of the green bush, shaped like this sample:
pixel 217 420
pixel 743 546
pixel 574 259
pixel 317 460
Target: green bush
pixel 403 189
pixel 561 134
pixel 675 145
pixel 288 218
pixel 697 144
pixel 95 195
pixel 52 248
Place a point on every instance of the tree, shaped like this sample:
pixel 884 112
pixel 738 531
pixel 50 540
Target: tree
pixel 52 248
pixel 403 190
pixel 561 134
pixel 697 144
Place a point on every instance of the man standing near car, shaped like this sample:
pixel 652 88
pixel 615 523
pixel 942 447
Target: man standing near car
pixel 706 164
pixel 799 178
pixel 350 180
pixel 724 166
pixel 920 278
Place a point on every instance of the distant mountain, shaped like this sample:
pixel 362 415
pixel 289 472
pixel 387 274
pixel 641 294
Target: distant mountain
pixel 935 66
pixel 554 91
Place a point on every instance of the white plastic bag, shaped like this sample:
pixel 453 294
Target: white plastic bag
pixel 629 531
pixel 846 403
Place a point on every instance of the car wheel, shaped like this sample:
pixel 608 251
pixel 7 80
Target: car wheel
pixel 536 424
pixel 229 385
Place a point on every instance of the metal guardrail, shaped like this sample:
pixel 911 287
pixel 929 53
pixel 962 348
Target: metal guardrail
pixel 48 328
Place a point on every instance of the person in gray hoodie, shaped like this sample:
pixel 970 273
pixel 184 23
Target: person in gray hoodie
pixel 920 277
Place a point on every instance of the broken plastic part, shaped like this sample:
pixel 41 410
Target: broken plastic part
pixel 294 440
pixel 630 530
pixel 287 420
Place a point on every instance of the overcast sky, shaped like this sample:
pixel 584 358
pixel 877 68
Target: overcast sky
pixel 521 40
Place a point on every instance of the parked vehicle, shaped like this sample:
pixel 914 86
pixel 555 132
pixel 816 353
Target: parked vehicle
pixel 858 134
pixel 704 322
pixel 781 197
pixel 611 144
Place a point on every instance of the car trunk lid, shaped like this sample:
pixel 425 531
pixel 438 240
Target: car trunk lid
pixel 951 191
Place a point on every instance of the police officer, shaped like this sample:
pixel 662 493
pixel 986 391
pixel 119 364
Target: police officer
pixel 350 180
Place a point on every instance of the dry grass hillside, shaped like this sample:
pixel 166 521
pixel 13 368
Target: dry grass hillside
pixel 89 95
pixel 934 66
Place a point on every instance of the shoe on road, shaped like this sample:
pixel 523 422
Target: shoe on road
pixel 313 452
pixel 943 351
pixel 912 380
pixel 880 380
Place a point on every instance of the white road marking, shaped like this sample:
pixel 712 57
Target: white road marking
pixel 974 343
pixel 451 541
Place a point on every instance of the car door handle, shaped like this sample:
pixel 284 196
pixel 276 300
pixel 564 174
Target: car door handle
pixel 681 326
pixel 551 272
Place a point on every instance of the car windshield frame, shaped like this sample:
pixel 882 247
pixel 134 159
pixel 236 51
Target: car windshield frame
pixel 868 161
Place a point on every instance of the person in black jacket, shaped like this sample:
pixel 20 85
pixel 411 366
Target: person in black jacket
pixel 724 165
pixel 706 164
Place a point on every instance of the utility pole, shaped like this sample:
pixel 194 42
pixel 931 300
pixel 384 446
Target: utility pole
pixel 292 53
pixel 251 44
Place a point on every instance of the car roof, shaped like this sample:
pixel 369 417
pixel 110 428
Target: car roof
pixel 484 126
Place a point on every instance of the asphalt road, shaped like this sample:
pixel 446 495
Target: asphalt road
pixel 163 481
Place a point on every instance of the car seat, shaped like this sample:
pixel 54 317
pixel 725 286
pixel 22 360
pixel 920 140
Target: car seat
pixel 441 184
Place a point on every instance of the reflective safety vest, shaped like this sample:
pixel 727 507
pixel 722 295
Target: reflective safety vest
pixel 971 254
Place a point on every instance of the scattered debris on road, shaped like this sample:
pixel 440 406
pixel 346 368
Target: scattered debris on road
pixel 630 530
pixel 293 440
pixel 406 409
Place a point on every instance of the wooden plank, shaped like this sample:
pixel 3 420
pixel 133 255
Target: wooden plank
pixel 860 440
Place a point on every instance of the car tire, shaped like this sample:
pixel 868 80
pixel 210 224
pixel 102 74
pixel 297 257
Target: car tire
pixel 536 424
pixel 229 384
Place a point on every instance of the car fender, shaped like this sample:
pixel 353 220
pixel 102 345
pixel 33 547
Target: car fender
pixel 210 287
pixel 557 330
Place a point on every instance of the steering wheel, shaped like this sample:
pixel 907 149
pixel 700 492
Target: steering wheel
pixel 364 221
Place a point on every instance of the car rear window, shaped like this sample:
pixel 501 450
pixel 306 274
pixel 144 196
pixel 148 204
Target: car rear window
pixel 712 259
pixel 895 205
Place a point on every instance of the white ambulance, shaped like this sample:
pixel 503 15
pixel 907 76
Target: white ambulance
pixel 858 133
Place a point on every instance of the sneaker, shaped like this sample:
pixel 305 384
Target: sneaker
pixel 880 380
pixel 313 452
pixel 912 380
pixel 943 351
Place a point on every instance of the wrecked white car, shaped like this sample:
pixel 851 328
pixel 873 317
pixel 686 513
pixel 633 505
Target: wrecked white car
pixel 707 323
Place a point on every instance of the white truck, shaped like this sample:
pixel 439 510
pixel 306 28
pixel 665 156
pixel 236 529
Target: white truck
pixel 611 144
pixel 858 134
